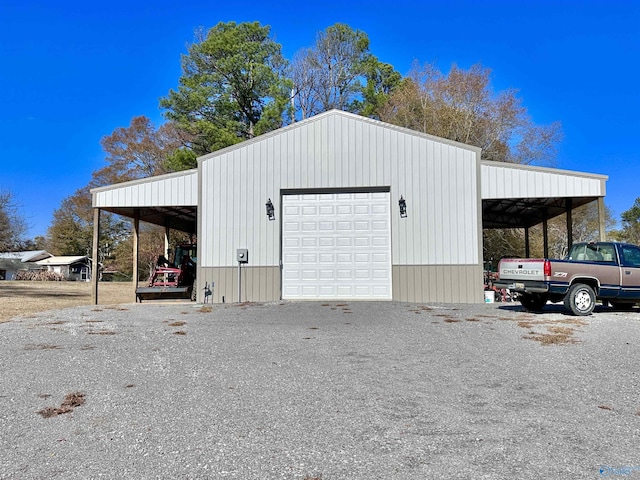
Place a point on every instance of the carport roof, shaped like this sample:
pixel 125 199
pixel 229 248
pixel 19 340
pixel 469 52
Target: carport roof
pixel 167 200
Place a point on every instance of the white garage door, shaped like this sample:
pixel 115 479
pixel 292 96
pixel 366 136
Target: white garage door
pixel 336 246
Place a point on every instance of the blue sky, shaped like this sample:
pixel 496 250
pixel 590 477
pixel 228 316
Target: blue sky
pixel 71 72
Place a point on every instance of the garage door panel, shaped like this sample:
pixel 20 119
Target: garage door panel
pixel 292 242
pixel 379 291
pixel 292 258
pixel 340 246
pixel 362 258
pixel 345 291
pixel 344 242
pixel 327 210
pixel 310 210
pixel 380 241
pixel 382 258
pixel 326 274
pixel 344 258
pixel 292 275
pixel 326 226
pixel 379 226
pixel 380 273
pixel 327 258
pixel 309 258
pixel 326 242
pixel 309 290
pixel 363 274
pixel 309 242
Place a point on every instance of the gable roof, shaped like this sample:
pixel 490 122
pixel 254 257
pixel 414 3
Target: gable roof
pixel 337 113
pixel 63 260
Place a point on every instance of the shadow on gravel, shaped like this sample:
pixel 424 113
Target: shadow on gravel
pixel 558 308
pixel 9 293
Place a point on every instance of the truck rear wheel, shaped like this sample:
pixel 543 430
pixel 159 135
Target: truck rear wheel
pixel 534 302
pixel 580 299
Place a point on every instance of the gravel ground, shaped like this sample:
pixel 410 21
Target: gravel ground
pixel 309 390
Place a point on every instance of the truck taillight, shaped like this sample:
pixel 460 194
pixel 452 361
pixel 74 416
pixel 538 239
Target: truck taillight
pixel 547 268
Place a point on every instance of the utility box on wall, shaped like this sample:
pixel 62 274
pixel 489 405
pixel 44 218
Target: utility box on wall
pixel 242 255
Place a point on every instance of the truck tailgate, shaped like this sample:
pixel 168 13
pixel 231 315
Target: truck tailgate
pixel 521 269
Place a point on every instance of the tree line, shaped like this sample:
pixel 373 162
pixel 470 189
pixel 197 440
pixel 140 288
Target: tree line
pixel 236 84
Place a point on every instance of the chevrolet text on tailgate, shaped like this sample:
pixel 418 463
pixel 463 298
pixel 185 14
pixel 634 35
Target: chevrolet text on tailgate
pixel 609 271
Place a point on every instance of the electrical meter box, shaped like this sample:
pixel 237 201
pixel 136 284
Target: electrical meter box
pixel 243 255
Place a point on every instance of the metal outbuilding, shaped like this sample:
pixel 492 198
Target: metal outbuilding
pixel 340 206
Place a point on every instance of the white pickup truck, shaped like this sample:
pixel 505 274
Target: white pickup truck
pixel 609 271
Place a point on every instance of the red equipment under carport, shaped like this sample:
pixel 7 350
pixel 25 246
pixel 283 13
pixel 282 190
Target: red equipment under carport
pixel 172 280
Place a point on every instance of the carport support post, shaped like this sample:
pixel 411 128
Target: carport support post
pixel 95 265
pixel 545 238
pixel 569 223
pixel 136 234
pixel 166 242
pixel 527 247
pixel 601 219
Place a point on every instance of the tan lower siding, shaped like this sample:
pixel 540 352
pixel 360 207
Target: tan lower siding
pixel 438 283
pixel 259 284
pixel 411 283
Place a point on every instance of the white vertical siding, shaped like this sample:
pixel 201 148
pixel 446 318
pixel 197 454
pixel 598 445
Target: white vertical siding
pixel 504 180
pixel 337 150
pixel 177 189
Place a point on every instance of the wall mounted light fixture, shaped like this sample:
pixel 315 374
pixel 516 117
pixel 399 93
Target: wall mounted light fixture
pixel 271 212
pixel 403 207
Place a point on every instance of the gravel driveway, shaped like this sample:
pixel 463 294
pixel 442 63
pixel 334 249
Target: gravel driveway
pixel 320 390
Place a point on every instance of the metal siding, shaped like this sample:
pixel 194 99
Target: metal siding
pixel 154 192
pixel 259 284
pixel 430 248
pixel 369 157
pixel 421 244
pixel 411 183
pixel 442 207
pixel 438 283
pixel 438 180
pixel 511 181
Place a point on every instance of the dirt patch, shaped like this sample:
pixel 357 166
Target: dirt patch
pixel 72 400
pixel 556 332
pixel 25 298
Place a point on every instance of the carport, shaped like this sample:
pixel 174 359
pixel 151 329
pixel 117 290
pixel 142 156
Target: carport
pixel 519 196
pixel 170 201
